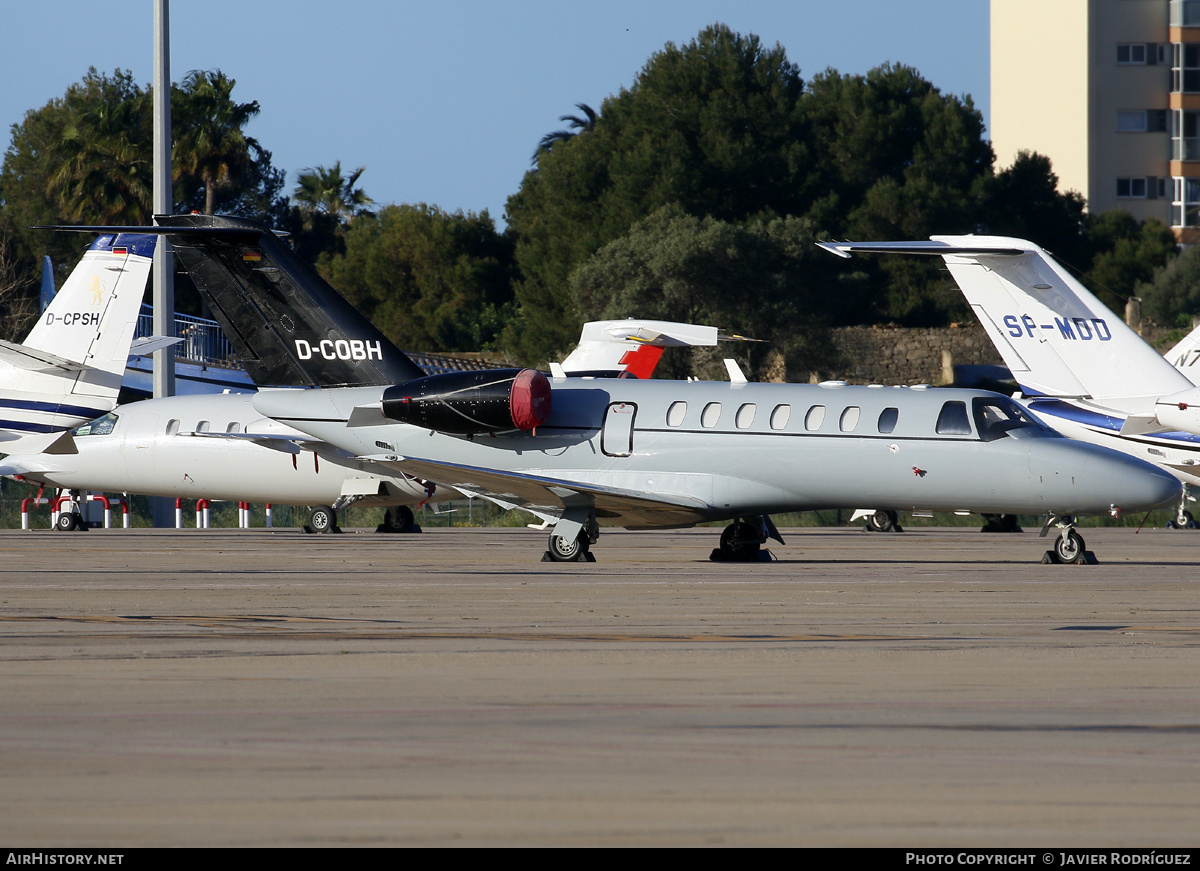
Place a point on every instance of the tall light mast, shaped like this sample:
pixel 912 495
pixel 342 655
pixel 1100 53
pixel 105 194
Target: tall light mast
pixel 164 266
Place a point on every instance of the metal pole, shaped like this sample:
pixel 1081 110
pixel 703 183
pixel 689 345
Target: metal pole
pixel 164 272
pixel 164 266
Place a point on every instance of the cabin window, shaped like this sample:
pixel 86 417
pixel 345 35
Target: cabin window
pixel 172 427
pixel 888 418
pixel 849 418
pixel 814 418
pixel 745 415
pixel 953 419
pixel 711 414
pixel 780 416
pixel 202 426
pixel 100 426
pixel 676 413
pixel 234 427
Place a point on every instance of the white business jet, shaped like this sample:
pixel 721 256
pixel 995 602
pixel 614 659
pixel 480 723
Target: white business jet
pixel 1078 365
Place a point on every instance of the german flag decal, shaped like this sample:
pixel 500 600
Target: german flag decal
pixel 251 255
pixel 121 251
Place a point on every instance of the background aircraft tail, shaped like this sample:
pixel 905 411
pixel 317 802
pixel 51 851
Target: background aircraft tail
pixel 288 327
pixel 70 366
pixel 1054 335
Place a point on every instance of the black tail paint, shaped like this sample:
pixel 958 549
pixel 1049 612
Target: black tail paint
pixel 287 325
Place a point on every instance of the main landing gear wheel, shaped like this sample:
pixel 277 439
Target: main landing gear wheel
pixel 398 518
pixel 570 550
pixel 1000 523
pixel 740 543
pixel 69 521
pixel 884 521
pixel 322 519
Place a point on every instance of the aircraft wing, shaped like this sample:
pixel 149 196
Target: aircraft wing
pixel 553 496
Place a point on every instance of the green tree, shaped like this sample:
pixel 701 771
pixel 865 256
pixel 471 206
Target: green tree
pixel 765 279
pixel 1121 253
pixel 429 279
pixel 713 126
pixel 81 158
pixel 324 190
pixel 1023 200
pixel 210 145
pixel 892 155
pixel 1172 295
pixel 578 125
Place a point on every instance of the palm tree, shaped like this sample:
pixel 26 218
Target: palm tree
pixel 105 174
pixel 211 145
pixel 578 125
pixel 324 190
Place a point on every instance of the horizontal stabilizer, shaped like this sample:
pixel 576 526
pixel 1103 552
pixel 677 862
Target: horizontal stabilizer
pixel 940 249
pixel 1143 424
pixel 34 360
pixel 150 344
pixel 367 415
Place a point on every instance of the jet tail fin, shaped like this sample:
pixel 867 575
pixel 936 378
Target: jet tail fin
pixel 1054 335
pixel 84 333
pixel 287 325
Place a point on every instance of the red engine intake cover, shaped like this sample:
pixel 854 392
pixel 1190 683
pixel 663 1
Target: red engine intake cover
pixel 529 399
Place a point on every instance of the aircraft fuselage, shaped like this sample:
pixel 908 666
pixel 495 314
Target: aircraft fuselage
pixel 721 450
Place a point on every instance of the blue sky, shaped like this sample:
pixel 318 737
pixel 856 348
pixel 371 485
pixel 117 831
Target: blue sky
pixel 445 102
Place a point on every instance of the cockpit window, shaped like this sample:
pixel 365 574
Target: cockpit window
pixel 996 417
pixel 99 426
pixel 953 419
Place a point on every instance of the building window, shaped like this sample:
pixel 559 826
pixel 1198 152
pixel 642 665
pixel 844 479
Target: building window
pixel 1185 203
pixel 1131 53
pixel 1185 13
pixel 1185 67
pixel 1185 135
pixel 1131 122
pixel 1142 121
pixel 1131 188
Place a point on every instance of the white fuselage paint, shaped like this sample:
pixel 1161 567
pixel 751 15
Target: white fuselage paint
pixel 726 460
pixel 173 447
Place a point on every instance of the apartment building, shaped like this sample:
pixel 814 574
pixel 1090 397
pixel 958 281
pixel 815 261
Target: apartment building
pixel 1109 90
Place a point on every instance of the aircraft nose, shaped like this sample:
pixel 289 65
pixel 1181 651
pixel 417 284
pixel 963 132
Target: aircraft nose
pixel 1080 478
pixel 1138 485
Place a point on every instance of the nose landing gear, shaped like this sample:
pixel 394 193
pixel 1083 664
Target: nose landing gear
pixel 1069 547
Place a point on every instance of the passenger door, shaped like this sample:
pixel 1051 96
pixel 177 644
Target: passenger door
pixel 616 438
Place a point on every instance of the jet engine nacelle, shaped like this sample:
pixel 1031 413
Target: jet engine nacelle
pixel 469 403
pixel 1180 411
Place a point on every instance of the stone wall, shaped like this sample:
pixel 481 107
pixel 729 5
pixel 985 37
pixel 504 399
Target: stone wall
pixel 887 354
